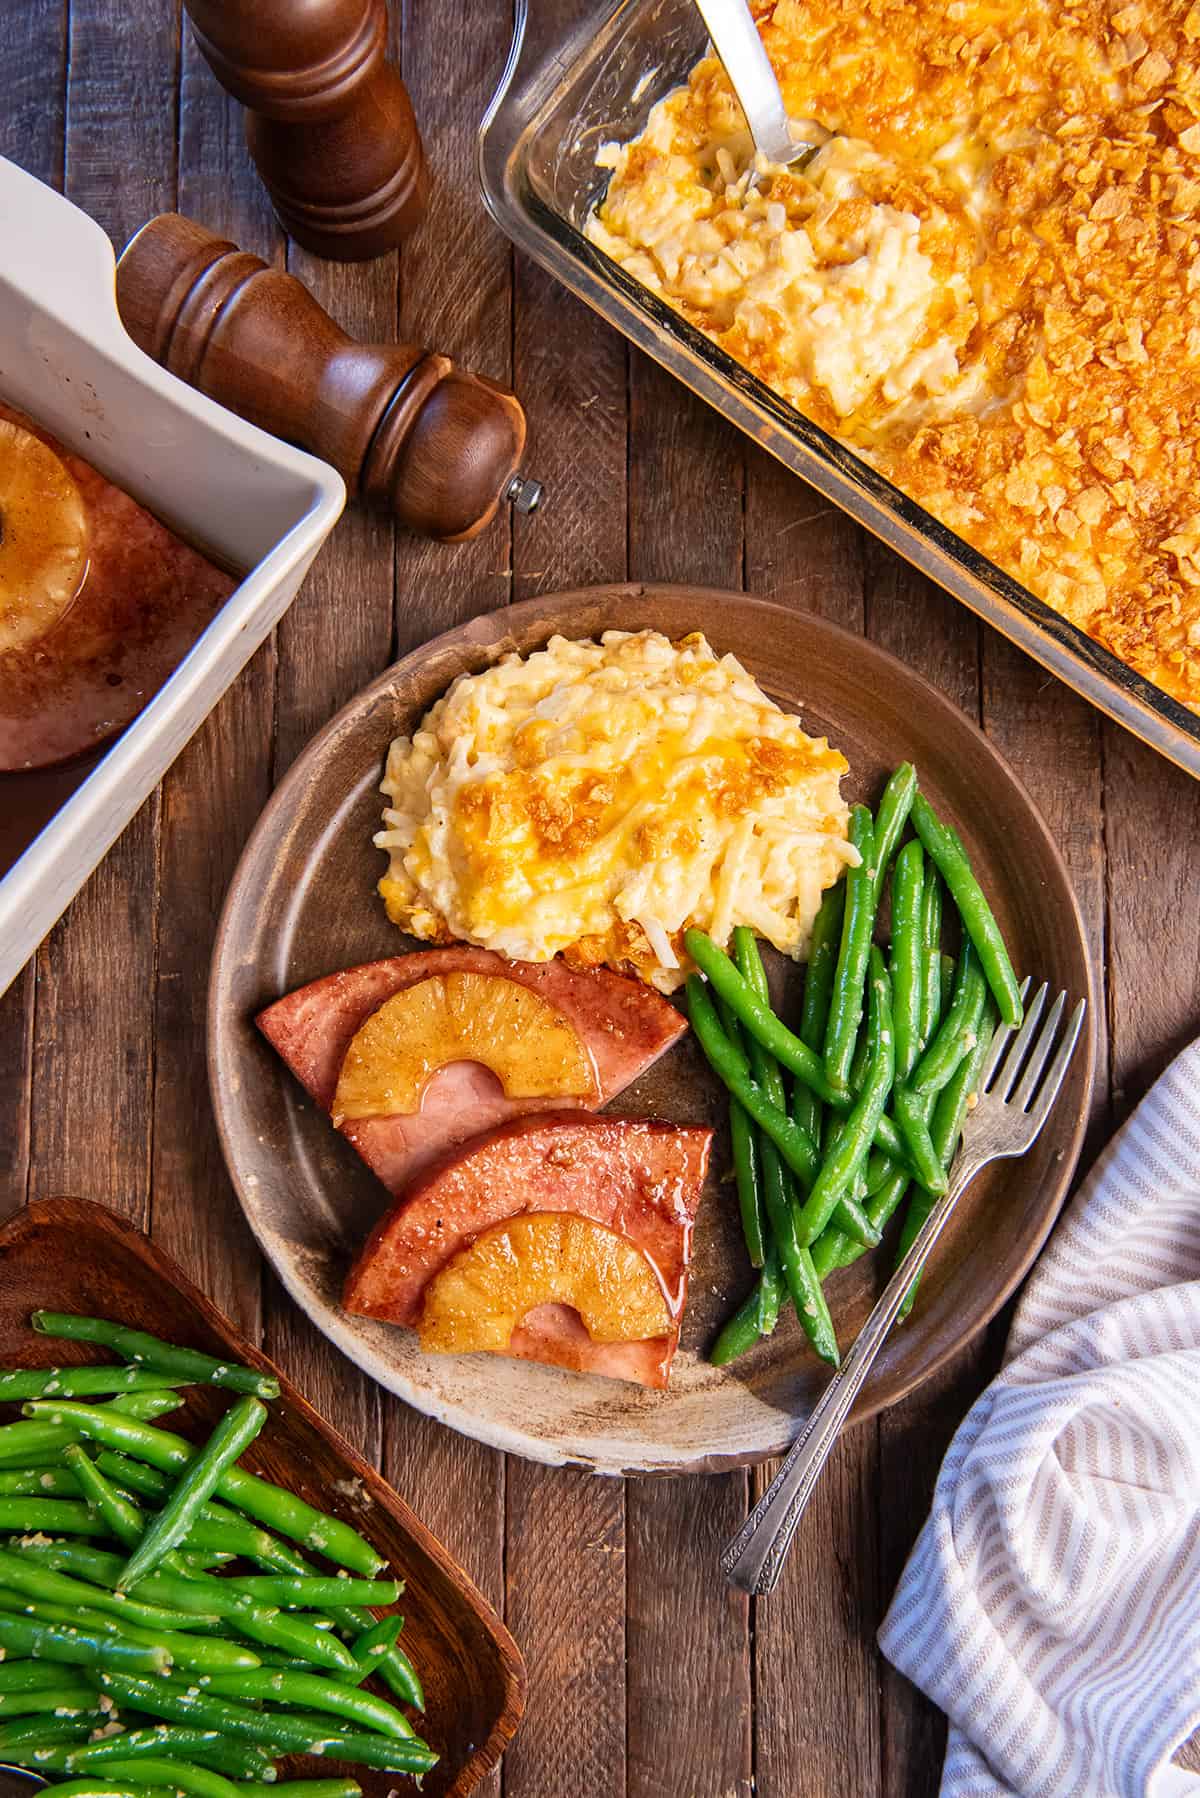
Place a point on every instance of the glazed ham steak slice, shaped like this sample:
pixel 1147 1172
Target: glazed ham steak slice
pixel 638 1177
pixel 624 1025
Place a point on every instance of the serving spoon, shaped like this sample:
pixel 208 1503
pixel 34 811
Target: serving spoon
pixel 737 43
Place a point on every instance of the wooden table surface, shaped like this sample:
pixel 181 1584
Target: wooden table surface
pixel 647 1676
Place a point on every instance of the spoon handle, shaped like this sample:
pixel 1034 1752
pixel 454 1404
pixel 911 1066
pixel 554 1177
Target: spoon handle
pixel 736 41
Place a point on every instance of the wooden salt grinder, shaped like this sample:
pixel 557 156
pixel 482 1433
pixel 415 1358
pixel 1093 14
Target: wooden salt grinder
pixel 329 121
pixel 408 431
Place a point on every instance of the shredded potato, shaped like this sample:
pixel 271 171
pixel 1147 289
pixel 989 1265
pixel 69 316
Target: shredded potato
pixel 987 280
pixel 599 799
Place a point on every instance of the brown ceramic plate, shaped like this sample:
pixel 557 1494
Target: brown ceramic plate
pixel 303 902
pixel 69 1255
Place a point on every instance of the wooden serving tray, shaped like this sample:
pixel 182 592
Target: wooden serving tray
pixel 71 1255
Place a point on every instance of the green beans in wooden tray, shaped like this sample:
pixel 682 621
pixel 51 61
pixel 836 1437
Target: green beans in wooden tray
pixel 884 1060
pixel 127 1664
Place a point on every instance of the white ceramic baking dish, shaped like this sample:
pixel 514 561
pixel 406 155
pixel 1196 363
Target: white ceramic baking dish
pixel 246 499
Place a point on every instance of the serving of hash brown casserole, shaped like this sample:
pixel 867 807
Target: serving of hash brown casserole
pixel 599 799
pixel 986 280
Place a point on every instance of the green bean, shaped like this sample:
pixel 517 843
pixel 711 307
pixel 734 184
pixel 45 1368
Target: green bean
pixel 786 1047
pixel 250 1543
pixel 68 1695
pixel 104 1788
pixel 850 977
pixel 56 1516
pixel 856 1134
pixel 370 1646
pixel 895 804
pixel 135 1475
pixel 29 1445
pixel 956 1033
pixel 272 1505
pixel 38 1482
pixel 931 955
pixel 181 1776
pixel 949 1114
pixel 287 1732
pixel 395 1669
pixel 764 1068
pixel 747 1166
pixel 756 1317
pixel 303 1690
pixel 145 1406
pixel 198 1594
pixel 231 1437
pixel 798 1271
pixel 28 1740
pixel 187 1365
pixel 26 1676
pixel 50 1642
pixel 730 1066
pixel 945 847
pixel 119 1515
pixel 862 1057
pixel 908 959
pixel 302 1594
pixel 17 1572
pixel 190 1653
pixel 814 1007
pixel 955 1040
pixel 763 1065
pixel 833 1248
pixel 78 1382
pixel 238 1760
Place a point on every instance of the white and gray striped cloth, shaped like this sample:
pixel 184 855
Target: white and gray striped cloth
pixel 1051 1606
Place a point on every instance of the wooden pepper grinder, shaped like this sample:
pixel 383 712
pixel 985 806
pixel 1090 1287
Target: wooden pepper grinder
pixel 329 121
pixel 408 431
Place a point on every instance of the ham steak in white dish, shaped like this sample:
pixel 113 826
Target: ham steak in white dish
pixel 637 1177
pixel 623 1024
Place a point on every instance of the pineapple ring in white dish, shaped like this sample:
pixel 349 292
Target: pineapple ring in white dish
pixel 43 537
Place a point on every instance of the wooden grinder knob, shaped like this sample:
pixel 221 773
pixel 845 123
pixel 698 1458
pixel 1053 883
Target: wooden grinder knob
pixel 408 431
pixel 329 121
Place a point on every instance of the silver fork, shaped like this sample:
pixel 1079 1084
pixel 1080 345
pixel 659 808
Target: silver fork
pixel 1004 1122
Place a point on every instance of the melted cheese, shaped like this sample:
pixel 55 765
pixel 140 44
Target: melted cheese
pixel 598 799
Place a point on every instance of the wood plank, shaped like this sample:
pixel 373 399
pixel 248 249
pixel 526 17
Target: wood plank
pixel 686 474
pixel 210 799
pixel 1152 825
pixel 566 1585
pixel 1053 740
pixel 31 134
pixel 93 1033
pixel 814 1632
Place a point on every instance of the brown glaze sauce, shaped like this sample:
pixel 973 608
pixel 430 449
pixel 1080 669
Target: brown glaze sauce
pixel 144 597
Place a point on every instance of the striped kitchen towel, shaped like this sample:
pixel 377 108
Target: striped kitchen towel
pixel 1051 1605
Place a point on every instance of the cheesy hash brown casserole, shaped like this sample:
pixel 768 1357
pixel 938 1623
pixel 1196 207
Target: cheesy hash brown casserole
pixel 987 280
pixel 599 799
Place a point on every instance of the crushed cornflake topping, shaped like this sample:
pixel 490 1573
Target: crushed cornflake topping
pixel 987 280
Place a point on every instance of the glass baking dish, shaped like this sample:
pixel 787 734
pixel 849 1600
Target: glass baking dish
pixel 556 104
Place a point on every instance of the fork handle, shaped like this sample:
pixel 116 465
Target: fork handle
pixel 755 1557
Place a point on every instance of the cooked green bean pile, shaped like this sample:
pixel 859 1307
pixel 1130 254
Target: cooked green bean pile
pixel 127 1669
pixel 884 1065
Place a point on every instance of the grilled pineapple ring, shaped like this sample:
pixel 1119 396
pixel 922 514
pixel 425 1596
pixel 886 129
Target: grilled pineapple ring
pixel 43 537
pixel 533 1050
pixel 542 1258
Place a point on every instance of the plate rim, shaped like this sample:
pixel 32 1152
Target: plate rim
pixel 487 632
